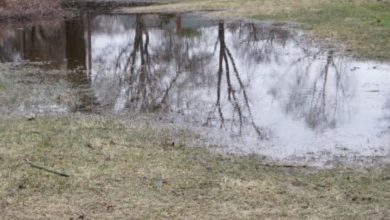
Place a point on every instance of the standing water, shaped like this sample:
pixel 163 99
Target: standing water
pixel 249 87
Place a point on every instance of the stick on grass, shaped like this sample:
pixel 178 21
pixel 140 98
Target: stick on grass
pixel 47 170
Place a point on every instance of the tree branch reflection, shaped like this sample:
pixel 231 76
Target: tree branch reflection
pixel 226 61
pixel 319 96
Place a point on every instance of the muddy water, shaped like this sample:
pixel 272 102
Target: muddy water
pixel 252 87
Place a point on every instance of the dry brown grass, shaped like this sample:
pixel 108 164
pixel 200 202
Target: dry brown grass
pixel 124 168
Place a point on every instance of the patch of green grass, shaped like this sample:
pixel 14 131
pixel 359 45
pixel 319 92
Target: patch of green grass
pixel 363 28
pixel 124 167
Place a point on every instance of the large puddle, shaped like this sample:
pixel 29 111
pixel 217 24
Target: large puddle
pixel 249 87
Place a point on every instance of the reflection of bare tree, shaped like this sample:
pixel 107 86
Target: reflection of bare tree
pixel 151 73
pixel 139 77
pixel 159 75
pixel 141 82
pixel 260 42
pixel 317 97
pixel 226 61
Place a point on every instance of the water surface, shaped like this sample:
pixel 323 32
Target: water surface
pixel 249 87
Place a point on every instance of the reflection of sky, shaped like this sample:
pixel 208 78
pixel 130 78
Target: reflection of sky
pixel 281 85
pixel 305 98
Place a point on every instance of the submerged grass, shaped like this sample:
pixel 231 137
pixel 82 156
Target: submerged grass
pixel 363 26
pixel 121 167
pixel 27 89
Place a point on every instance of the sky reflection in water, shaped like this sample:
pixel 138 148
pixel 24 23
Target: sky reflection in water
pixel 279 94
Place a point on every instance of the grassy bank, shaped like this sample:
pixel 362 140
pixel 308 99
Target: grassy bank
pixel 363 26
pixel 122 167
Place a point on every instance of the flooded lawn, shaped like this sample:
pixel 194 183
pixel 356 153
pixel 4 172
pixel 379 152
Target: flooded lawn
pixel 246 87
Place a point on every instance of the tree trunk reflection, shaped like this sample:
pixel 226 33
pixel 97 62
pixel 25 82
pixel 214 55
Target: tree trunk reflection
pixel 226 60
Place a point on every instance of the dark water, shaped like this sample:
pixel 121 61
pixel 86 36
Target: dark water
pixel 265 84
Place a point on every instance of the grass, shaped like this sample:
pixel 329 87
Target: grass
pixel 362 26
pixel 123 167
pixel 364 29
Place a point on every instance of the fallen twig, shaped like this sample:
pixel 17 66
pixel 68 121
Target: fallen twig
pixel 47 170
pixel 90 146
pixel 282 165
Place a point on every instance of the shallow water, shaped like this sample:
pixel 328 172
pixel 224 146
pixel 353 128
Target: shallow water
pixel 249 87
